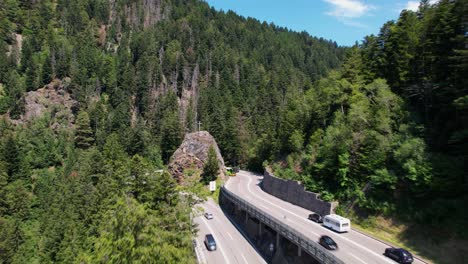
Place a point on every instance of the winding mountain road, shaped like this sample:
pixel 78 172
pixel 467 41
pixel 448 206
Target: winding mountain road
pixel 354 247
pixel 232 247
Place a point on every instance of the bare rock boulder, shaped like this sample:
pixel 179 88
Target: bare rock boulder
pixel 193 153
pixel 52 98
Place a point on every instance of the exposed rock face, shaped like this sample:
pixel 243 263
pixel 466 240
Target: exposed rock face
pixel 138 14
pixel 185 81
pixel 14 49
pixel 51 98
pixel 193 153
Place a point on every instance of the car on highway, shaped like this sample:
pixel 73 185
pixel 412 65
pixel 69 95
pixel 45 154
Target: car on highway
pixel 208 216
pixel 316 218
pixel 328 243
pixel 210 242
pixel 399 255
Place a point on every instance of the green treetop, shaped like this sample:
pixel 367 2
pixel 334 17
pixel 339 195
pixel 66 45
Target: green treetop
pixel 211 167
pixel 84 135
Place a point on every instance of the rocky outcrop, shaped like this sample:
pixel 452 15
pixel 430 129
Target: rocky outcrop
pixel 193 153
pixel 52 98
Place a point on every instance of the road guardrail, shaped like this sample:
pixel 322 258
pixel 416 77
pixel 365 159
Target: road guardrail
pixel 310 246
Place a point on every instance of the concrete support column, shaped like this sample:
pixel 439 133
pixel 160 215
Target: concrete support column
pixel 277 240
pixel 299 251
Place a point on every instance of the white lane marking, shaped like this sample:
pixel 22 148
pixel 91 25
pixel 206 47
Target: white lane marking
pixel 199 252
pixel 240 233
pixel 217 244
pixel 202 255
pixel 354 256
pixel 230 235
pixel 266 207
pixel 216 208
pixel 226 231
pixel 284 217
pixel 216 219
pixel 242 255
pixel 302 219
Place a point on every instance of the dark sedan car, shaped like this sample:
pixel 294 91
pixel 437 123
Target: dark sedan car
pixel 316 218
pixel 328 243
pixel 399 255
pixel 210 242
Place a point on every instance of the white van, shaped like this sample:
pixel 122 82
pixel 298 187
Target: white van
pixel 337 223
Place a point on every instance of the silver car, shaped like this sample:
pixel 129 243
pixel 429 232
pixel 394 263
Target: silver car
pixel 208 215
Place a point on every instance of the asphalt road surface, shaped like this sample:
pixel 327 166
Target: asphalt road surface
pixel 232 247
pixel 354 247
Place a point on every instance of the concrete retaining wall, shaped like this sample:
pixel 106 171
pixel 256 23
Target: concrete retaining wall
pixel 295 193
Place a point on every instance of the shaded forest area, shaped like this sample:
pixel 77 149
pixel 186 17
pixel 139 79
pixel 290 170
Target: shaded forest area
pixel 81 182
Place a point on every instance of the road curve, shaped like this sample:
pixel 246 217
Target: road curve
pixel 232 247
pixel 354 247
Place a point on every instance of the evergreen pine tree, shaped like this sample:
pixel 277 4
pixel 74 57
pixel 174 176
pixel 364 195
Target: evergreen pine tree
pixel 3 183
pixel 211 167
pixel 171 134
pixel 11 156
pixel 84 135
pixel 15 91
pixel 47 74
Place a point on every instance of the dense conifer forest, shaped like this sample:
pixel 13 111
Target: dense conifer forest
pixel 80 183
pixel 382 126
pixel 388 131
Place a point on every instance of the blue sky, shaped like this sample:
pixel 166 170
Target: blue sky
pixel 344 21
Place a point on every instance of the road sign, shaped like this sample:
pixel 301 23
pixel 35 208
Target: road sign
pixel 212 186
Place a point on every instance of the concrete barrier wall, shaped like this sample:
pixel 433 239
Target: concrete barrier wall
pixel 295 193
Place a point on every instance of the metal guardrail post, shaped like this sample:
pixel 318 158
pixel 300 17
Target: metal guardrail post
pixel 308 245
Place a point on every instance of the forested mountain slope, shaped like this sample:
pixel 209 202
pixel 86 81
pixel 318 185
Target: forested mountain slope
pixel 79 183
pixel 389 136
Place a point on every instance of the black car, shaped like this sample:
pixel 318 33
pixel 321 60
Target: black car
pixel 210 242
pixel 399 255
pixel 316 218
pixel 328 243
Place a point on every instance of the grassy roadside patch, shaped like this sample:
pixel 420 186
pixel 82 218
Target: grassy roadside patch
pixel 433 246
pixel 193 184
pixel 215 195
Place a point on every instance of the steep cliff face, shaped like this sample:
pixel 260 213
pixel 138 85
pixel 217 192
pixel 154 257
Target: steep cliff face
pixel 133 15
pixel 193 154
pixel 138 15
pixel 188 99
pixel 14 50
pixel 182 78
pixel 152 61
